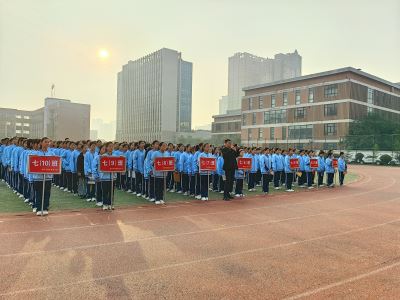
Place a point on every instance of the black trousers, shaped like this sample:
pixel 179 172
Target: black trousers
pixel 289 180
pixel 265 183
pixel 185 182
pixel 228 184
pixel 159 188
pixel 204 185
pixel 139 183
pixel 341 177
pixel 239 186
pixel 320 178
pixel 330 178
pixel 106 192
pixel 38 187
pixel 277 177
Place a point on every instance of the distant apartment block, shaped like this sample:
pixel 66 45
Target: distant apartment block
pixel 58 119
pixel 246 69
pixel 154 97
pixel 317 107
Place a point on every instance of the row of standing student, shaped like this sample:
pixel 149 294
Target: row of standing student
pixel 80 170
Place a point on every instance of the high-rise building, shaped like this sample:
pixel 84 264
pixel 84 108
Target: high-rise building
pixel 58 119
pixel 223 105
pixel 246 69
pixel 154 97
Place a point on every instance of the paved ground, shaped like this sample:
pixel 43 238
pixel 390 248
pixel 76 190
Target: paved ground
pixel 320 244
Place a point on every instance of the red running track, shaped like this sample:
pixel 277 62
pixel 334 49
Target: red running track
pixel 319 244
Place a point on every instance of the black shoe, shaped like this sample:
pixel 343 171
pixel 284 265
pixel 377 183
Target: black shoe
pixel 227 199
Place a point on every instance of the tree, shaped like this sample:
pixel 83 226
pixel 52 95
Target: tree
pixel 373 131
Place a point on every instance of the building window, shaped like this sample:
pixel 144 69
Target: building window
pixel 331 90
pixel 285 98
pixel 254 119
pixel 18 117
pixel 27 117
pixel 250 103
pixel 283 133
pixel 370 99
pixel 297 97
pixel 26 132
pixel 272 133
pixel 330 129
pixel 18 124
pixel 18 131
pixel 273 101
pixel 275 116
pixel 260 102
pixel 243 120
pixel 300 132
pixel 26 125
pixel 300 113
pixel 330 110
pixel 249 134
pixel 260 133
pixel 310 95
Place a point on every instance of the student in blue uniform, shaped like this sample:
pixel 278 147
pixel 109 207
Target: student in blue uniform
pixel 215 174
pixel 321 167
pixel 170 176
pixel 221 174
pixel 138 168
pixel 178 156
pixel 253 171
pixel 277 167
pixel 239 178
pixel 329 169
pixel 204 184
pixel 342 168
pixel 307 169
pixel 265 168
pixel 38 181
pixel 288 171
pixel 98 176
pixel 184 169
pixel 159 176
pixel 90 182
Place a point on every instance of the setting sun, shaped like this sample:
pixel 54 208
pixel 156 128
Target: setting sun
pixel 103 53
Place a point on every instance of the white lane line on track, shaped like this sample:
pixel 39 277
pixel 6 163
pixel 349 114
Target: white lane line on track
pixel 84 247
pixel 203 260
pixel 345 281
pixel 286 205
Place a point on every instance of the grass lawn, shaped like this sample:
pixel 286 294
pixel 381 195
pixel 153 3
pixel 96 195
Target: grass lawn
pixel 59 200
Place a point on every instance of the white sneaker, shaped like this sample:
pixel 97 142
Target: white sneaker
pixel 105 207
pixel 133 193
pixel 290 190
pixel 221 192
pixel 147 198
pixel 21 196
pixel 99 204
pixel 26 200
pixel 237 195
pixel 162 202
pixel 45 213
pixel 203 199
pixel 39 213
pixel 310 187
pixel 179 192
pixel 34 210
pixel 138 195
pixel 88 199
pixel 186 194
pixel 198 197
pixel 158 202
pixel 129 191
pixel 172 191
pixel 65 189
pixel 152 200
pixel 206 198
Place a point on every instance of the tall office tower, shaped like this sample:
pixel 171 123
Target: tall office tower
pixel 246 69
pixel 154 97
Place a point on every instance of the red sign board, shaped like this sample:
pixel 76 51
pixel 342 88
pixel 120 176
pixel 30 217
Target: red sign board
pixel 38 164
pixel 294 163
pixel 244 163
pixel 334 163
pixel 112 164
pixel 314 163
pixel 208 164
pixel 164 164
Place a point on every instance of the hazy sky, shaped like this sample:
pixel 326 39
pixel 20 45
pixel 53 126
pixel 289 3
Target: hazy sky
pixel 46 41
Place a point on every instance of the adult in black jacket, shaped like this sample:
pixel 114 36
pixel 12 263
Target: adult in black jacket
pixel 230 165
